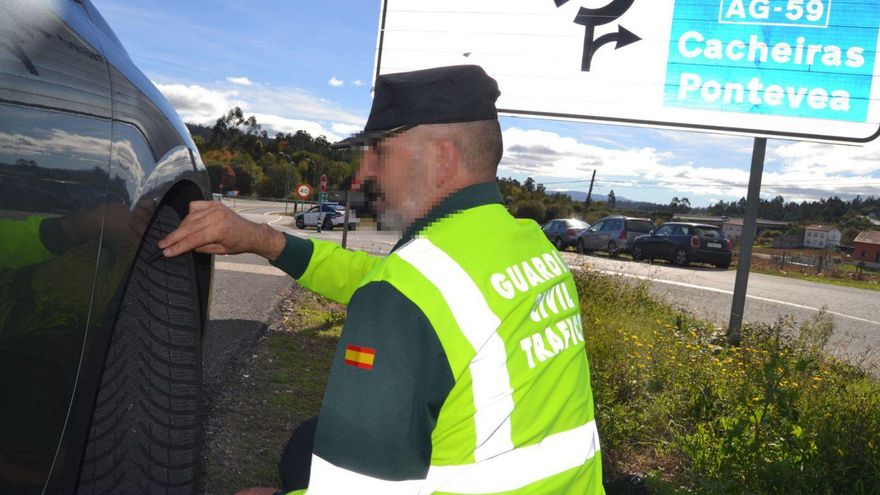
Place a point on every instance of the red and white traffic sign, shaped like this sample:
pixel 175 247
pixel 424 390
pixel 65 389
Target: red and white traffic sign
pixel 323 183
pixel 304 191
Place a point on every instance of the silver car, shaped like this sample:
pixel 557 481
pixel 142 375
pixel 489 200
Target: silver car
pixel 613 234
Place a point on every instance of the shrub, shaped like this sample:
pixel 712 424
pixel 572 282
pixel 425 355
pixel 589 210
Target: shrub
pixel 773 415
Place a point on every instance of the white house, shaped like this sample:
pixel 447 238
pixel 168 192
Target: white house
pixel 733 228
pixel 821 236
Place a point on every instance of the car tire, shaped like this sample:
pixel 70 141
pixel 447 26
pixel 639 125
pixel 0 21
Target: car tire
pixel 300 223
pixel 351 226
pixel 145 432
pixel 680 258
pixel 327 224
pixel 723 266
pixel 637 253
pixel 613 249
pixel 580 246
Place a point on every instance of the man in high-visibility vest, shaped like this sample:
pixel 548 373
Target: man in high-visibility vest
pixel 461 367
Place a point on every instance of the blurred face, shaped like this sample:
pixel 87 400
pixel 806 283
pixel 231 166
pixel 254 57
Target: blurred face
pixel 396 164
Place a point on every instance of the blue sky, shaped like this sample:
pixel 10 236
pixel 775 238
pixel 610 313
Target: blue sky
pixel 309 65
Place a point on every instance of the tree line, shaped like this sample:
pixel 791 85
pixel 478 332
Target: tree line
pixel 241 156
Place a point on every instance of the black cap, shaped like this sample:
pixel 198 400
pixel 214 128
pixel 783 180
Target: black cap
pixel 443 95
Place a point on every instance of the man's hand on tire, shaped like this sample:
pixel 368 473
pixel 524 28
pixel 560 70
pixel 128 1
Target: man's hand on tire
pixel 213 228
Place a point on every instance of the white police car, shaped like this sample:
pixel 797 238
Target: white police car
pixel 331 215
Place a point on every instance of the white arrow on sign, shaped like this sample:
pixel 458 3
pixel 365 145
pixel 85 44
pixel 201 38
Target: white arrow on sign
pixel 774 68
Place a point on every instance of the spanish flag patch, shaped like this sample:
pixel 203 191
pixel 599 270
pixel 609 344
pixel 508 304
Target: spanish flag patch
pixel 360 357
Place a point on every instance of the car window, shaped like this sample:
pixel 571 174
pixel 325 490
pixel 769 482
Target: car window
pixel 640 226
pixel 598 226
pixel 708 232
pixel 616 225
pixel 680 230
pixel 664 230
pixel 313 209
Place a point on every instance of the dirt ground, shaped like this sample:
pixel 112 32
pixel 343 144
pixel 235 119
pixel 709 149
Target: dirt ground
pixel 277 385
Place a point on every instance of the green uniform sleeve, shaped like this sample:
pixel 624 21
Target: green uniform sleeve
pixel 21 243
pixel 381 405
pixel 325 267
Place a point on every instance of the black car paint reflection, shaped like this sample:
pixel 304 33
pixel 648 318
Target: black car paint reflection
pixel 88 149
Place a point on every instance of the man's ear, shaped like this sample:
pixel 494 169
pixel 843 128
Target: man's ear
pixel 448 157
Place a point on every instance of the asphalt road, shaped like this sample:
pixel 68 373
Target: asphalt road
pixel 247 288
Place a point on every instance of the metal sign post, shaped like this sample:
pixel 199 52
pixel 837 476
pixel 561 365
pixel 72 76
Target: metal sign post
pixel 747 240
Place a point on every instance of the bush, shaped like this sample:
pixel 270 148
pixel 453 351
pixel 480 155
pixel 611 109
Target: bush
pixel 773 415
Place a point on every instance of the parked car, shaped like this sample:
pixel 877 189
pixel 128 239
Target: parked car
pixel 563 232
pixel 683 243
pixel 614 234
pixel 100 336
pixel 331 215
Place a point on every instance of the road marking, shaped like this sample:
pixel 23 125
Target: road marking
pixel 249 268
pixel 278 214
pixel 730 293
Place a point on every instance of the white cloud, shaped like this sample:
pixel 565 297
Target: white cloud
pixel 808 171
pixel 359 83
pixel 199 104
pixel 276 109
pixel 336 83
pixel 241 81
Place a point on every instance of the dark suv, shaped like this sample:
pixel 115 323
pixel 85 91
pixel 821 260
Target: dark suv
pixel 100 336
pixel 613 234
pixel 684 243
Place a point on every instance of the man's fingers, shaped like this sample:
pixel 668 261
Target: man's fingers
pixel 195 206
pixel 212 249
pixel 192 236
pixel 192 221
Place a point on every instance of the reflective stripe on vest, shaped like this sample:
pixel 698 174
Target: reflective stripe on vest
pixel 519 467
pixel 493 396
pixel 498 466
pixel 515 469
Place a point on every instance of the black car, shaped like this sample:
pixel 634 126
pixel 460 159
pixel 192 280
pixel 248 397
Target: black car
pixel 100 336
pixel 684 243
pixel 563 232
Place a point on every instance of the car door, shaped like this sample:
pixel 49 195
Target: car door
pixel 657 246
pixel 311 216
pixel 608 232
pixel 55 146
pixel 592 234
pixel 679 239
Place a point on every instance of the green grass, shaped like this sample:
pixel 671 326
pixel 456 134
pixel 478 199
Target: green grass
pixel 841 282
pixel 675 403
pixel 282 386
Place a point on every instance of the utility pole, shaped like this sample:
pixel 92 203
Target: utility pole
pixel 589 200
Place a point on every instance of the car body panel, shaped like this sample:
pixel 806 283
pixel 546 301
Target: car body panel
pixel 56 132
pixel 610 229
pixel 564 229
pixel 311 216
pixel 672 236
pixel 87 141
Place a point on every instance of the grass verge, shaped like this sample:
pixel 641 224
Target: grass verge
pixel 674 403
pixel 841 282
pixel 773 415
pixel 280 385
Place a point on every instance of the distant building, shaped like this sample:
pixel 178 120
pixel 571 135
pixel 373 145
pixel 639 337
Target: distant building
pixel 821 236
pixel 867 249
pixel 733 228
